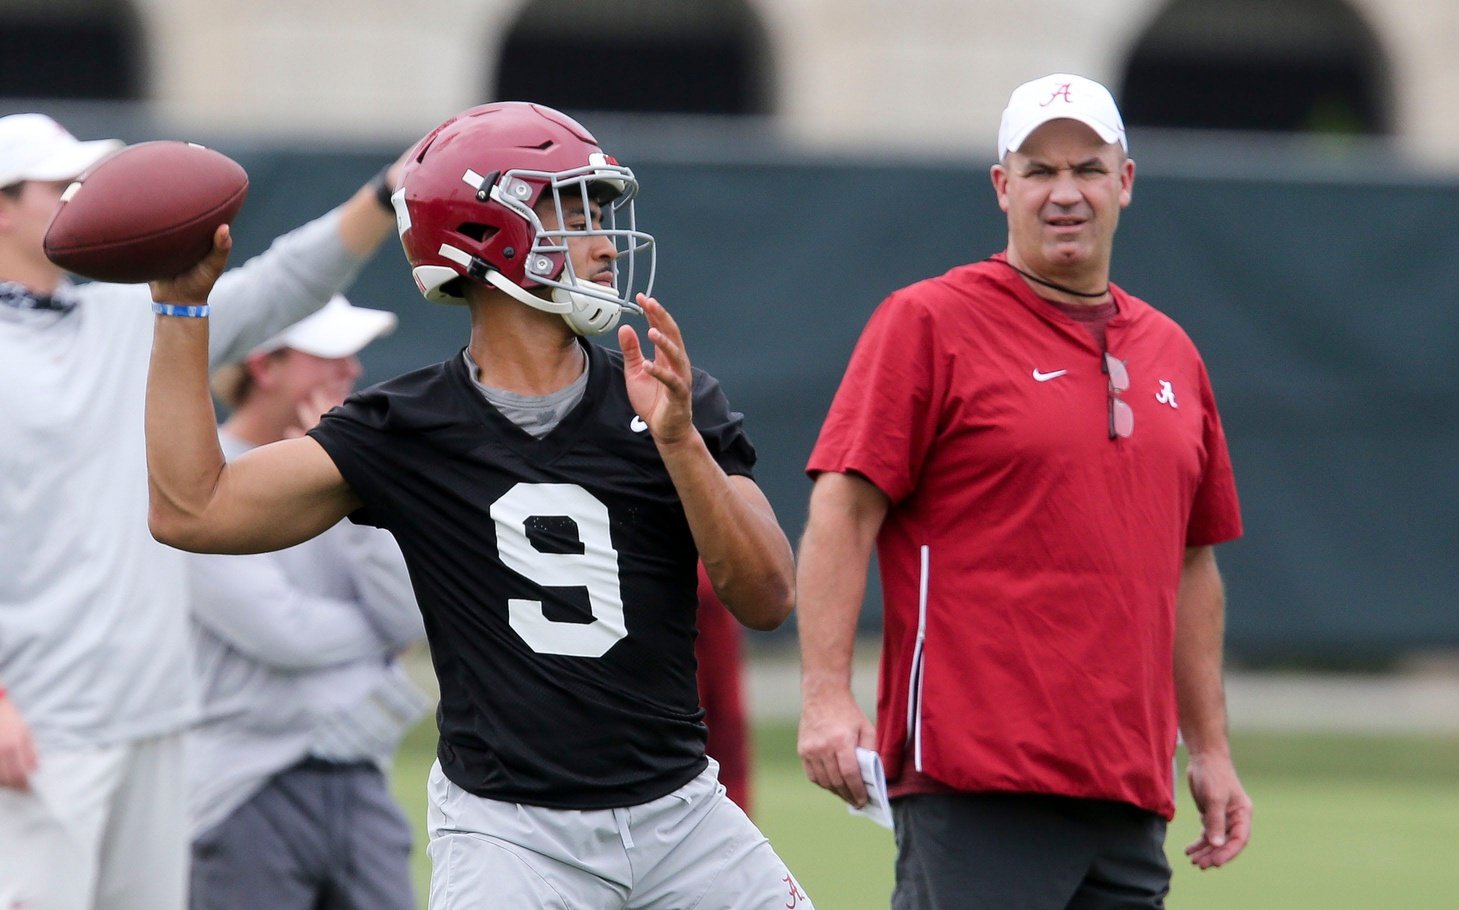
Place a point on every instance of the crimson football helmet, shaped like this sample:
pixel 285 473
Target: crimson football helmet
pixel 466 203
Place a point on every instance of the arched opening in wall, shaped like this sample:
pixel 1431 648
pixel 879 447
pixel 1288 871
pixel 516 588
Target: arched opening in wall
pixel 640 56
pixel 71 50
pixel 1302 66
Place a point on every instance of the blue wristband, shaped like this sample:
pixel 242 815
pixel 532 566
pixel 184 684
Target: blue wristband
pixel 173 309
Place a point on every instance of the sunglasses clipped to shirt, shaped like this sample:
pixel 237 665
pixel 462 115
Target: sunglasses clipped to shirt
pixel 1121 415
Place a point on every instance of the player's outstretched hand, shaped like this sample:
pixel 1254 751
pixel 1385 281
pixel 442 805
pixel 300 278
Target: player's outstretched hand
pixel 1225 811
pixel 660 389
pixel 193 286
pixel 831 727
pixel 17 748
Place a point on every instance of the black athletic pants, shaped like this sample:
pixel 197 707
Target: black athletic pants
pixel 1014 851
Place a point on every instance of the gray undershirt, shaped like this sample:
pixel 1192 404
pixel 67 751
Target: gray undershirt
pixel 535 414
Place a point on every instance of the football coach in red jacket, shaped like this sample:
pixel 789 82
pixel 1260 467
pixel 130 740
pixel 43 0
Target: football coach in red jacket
pixel 1037 458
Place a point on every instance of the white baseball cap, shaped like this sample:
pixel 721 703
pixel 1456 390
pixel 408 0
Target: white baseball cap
pixel 339 329
pixel 35 147
pixel 1056 97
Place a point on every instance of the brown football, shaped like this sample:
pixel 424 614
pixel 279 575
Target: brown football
pixel 145 212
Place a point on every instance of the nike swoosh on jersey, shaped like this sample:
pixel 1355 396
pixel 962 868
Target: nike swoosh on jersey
pixel 1045 377
pixel 637 425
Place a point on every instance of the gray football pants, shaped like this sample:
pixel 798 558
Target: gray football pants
pixel 691 849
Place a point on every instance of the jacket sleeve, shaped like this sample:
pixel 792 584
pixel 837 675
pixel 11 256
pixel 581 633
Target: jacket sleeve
pixel 386 597
pixel 295 276
pixel 249 602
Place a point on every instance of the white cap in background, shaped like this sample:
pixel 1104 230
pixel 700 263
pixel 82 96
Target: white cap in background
pixel 339 329
pixel 35 147
pixel 1056 97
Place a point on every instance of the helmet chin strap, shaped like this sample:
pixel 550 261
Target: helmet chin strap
pixel 585 315
pixel 588 315
pixel 503 283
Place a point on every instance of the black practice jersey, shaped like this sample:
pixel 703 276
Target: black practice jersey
pixel 556 576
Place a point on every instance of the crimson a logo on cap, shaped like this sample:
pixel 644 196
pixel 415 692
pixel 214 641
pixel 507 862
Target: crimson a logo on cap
pixel 1061 92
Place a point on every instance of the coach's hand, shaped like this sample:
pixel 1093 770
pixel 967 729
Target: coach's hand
pixel 17 747
pixel 1225 811
pixel 832 725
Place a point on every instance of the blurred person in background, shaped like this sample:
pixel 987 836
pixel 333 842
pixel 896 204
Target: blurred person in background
pixel 95 674
pixel 552 498
pixel 719 653
pixel 1037 458
pixel 303 698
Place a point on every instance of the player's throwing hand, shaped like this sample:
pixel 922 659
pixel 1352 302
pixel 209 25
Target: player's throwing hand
pixel 194 285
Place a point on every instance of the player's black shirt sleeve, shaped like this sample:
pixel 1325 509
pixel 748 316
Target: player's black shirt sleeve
pixel 556 577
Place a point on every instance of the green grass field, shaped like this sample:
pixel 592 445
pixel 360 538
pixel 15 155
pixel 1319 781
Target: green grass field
pixel 1343 822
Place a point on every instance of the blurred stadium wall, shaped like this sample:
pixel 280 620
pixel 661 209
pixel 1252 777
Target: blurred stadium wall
pixel 915 76
pixel 801 158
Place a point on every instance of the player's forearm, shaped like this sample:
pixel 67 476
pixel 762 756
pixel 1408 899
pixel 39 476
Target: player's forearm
pixel 1199 632
pixel 744 551
pixel 845 515
pixel 184 461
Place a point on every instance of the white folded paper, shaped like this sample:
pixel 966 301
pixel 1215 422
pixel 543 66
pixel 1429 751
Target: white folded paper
pixel 877 807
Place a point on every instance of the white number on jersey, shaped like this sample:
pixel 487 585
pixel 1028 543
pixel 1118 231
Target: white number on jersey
pixel 596 568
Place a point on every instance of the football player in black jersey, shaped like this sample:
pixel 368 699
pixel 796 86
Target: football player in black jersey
pixel 551 497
